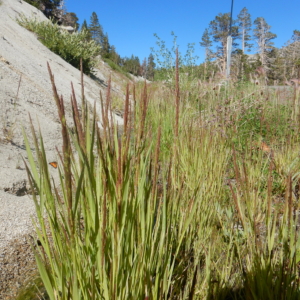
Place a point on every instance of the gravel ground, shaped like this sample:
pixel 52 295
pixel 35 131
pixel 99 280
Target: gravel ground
pixel 10 217
pixel 17 266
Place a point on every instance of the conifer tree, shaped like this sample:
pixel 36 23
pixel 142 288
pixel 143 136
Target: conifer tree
pixel 106 49
pixel 144 68
pixel 96 29
pixel 275 73
pixel 296 36
pixel 296 54
pixel 51 8
pixel 150 67
pixel 219 29
pixel 84 26
pixel 263 37
pixel 244 27
pixel 290 55
pixel 114 56
pixel 136 66
pixel 206 43
pixel 132 65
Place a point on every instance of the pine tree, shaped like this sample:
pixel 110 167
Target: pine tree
pixel 296 36
pixel 244 23
pixel 291 54
pixel 51 8
pixel 132 65
pixel 143 70
pixel 241 65
pixel 206 43
pixel 219 30
pixel 150 67
pixel 296 44
pixel 275 74
pixel 96 29
pixel 84 25
pixel 114 56
pixel 263 37
pixel 136 65
pixel 106 49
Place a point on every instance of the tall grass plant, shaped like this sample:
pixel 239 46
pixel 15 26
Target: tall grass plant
pixel 180 204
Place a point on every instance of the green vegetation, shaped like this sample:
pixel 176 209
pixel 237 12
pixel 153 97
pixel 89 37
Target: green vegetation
pixel 195 197
pixel 33 3
pixel 71 47
pixel 96 33
pixel 34 290
pixel 115 67
pixel 51 8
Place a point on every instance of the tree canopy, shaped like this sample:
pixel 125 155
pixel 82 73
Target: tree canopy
pixel 244 28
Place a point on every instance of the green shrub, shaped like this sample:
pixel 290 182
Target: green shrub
pixel 268 121
pixel 71 47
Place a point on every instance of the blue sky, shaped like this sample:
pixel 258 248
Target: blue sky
pixel 130 24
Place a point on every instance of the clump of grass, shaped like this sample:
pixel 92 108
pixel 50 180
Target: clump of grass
pixel 34 290
pixel 174 205
pixel 71 47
